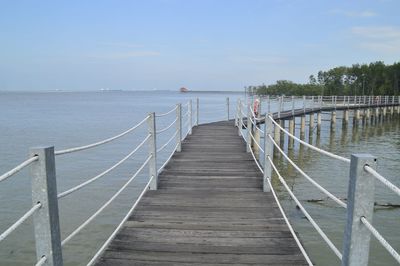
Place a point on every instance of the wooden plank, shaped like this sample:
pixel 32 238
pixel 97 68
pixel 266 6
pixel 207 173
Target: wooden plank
pixel 209 210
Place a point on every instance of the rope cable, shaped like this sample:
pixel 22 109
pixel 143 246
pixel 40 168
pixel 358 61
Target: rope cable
pixel 84 224
pixel 20 221
pixel 303 251
pixel 168 142
pixel 167 113
pixel 254 157
pixel 18 168
pixel 168 127
pixel 381 239
pixel 169 158
pixel 85 147
pixel 71 190
pixel 309 145
pixel 107 242
pixel 326 192
pixel 310 219
pixel 384 181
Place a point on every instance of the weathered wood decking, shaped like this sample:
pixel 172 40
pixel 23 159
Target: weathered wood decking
pixel 209 210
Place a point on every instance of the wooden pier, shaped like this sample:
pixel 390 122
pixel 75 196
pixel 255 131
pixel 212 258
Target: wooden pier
pixel 209 209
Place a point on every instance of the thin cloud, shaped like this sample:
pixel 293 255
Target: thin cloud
pixel 260 59
pixel 122 44
pixel 378 38
pixel 125 55
pixel 355 14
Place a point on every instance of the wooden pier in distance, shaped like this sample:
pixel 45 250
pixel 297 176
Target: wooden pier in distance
pixel 209 209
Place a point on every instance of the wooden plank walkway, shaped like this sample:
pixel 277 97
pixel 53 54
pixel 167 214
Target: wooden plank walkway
pixel 209 210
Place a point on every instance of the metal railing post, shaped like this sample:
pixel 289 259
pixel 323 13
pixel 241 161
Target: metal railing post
pixel 269 104
pixel 249 128
pixel 320 102
pixel 280 106
pixel 292 105
pixel 360 203
pixel 45 219
pixel 179 127
pixel 240 118
pixel 237 114
pixel 304 104
pixel 312 103
pixel 335 102
pixel 268 153
pixel 197 111
pixel 152 151
pixel 227 108
pixel 190 114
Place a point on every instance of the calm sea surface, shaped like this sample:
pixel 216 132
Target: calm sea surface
pixel 69 119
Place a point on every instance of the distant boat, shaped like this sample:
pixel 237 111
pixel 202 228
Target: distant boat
pixel 183 89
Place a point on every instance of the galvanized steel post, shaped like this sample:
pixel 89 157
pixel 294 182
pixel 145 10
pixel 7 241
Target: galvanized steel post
pixel 360 203
pixel 249 128
pixel 227 108
pixel 190 117
pixel 152 151
pixel 240 118
pixel 45 219
pixel 179 127
pixel 237 113
pixel 268 153
pixel 292 105
pixel 197 111
pixel 312 103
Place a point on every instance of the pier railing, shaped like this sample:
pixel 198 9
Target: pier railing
pixel 45 197
pixel 362 169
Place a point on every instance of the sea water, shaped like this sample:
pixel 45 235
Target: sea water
pixel 70 119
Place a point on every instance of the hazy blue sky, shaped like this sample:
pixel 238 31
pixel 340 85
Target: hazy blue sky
pixel 203 44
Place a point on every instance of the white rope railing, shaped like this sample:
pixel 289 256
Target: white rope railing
pixel 84 224
pixel 167 113
pixel 260 130
pixel 18 168
pixel 71 190
pixel 381 240
pixel 20 221
pixel 168 142
pixel 41 261
pixel 186 113
pixel 186 134
pixel 185 124
pixel 304 211
pixel 254 115
pixel 303 251
pixel 382 179
pixel 168 127
pixel 312 181
pixel 255 160
pixel 168 159
pixel 114 233
pixel 85 147
pixel 256 142
pixel 332 155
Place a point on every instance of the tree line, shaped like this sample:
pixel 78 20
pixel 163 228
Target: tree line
pixel 366 79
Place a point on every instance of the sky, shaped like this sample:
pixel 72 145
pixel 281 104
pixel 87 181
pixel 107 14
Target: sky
pixel 198 44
